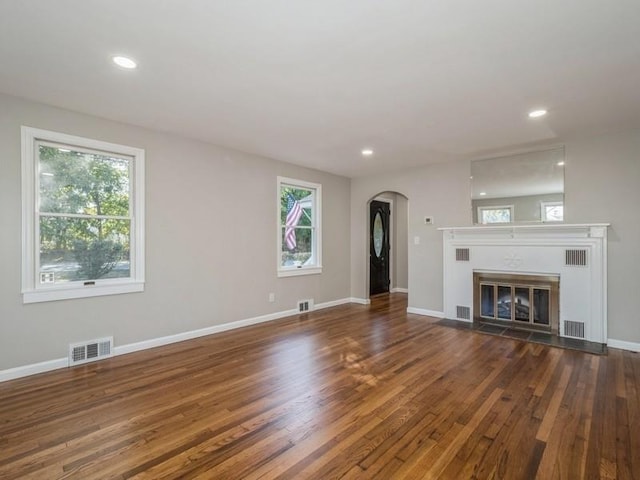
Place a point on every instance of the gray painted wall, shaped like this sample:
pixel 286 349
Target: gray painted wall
pixel 210 248
pixel 431 191
pixel 602 174
pixel 400 207
pixel 195 217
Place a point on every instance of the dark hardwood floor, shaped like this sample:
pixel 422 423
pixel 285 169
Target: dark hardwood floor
pixel 348 392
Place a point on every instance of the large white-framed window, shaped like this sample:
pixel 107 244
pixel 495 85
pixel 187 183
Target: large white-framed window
pixel 495 214
pixel 552 211
pixel 299 227
pixel 82 217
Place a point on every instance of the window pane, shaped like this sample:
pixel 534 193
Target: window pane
pixel 378 235
pixel 504 302
pixel 302 252
pixel 83 183
pixel 80 249
pixel 496 215
pixel 541 306
pixel 521 306
pixel 487 293
pixel 296 206
pixel 554 213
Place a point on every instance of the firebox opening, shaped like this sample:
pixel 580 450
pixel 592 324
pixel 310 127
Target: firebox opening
pixel 520 301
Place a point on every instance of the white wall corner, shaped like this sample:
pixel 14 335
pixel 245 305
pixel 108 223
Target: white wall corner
pixel 399 290
pixel 361 301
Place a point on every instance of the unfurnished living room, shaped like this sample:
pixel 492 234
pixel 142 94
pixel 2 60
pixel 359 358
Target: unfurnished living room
pixel 319 239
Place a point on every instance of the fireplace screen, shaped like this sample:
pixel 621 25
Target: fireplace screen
pixel 515 303
pixel 521 299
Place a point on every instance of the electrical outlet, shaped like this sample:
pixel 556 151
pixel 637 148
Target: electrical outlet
pixel 416 240
pixel 272 297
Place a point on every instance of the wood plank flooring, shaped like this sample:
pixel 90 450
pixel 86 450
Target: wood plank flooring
pixel 351 392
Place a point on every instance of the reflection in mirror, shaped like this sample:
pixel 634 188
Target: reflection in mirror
pixel 528 187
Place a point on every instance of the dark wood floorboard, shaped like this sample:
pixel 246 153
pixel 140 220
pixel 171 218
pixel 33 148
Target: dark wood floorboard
pixel 350 392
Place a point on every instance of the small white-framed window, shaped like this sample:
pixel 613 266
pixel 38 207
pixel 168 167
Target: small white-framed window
pixel 82 217
pixel 552 211
pixel 299 227
pixel 495 214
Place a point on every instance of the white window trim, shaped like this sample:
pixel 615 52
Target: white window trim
pixel 316 268
pixel 543 211
pixel 32 292
pixel 494 207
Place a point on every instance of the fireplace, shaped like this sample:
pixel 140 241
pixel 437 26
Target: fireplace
pixel 543 277
pixel 520 301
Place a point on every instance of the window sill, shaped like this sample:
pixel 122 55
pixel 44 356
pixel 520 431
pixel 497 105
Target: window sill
pixel 294 272
pixel 50 295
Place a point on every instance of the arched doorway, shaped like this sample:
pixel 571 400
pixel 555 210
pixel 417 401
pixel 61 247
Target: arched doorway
pixel 387 243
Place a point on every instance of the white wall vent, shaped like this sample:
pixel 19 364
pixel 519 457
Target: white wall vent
pixel 90 351
pixel 576 257
pixel 463 313
pixel 305 305
pixel 573 329
pixel 462 254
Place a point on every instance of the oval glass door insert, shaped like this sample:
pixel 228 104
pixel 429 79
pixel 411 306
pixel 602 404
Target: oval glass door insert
pixel 378 234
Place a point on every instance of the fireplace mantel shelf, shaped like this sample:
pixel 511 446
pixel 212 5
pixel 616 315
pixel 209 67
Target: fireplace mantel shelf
pixel 523 226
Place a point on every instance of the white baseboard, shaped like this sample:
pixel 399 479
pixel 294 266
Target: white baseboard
pixel 428 313
pixel 26 370
pixel 623 345
pixel 180 337
pixel 399 290
pixel 333 303
pixel 361 301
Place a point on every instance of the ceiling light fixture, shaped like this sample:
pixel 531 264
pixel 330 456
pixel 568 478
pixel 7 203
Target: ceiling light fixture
pixel 482 194
pixel 124 62
pixel 560 163
pixel 367 152
pixel 537 113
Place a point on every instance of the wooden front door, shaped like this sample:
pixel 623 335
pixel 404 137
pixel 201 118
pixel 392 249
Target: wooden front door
pixel 378 247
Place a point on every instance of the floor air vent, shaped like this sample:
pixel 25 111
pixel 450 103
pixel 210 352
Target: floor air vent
pixel 463 313
pixel 573 329
pixel 90 351
pixel 305 305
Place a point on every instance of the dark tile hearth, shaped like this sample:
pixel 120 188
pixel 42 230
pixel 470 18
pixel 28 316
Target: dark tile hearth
pixel 528 336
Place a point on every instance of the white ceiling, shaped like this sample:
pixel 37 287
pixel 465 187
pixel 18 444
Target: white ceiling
pixel 313 82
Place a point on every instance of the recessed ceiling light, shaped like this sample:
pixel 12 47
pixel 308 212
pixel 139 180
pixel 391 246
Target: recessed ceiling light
pixel 124 62
pixel 537 113
pixel 560 163
pixel 367 152
pixel 482 194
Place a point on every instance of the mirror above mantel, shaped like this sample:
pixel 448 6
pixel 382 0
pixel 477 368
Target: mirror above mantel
pixel 520 188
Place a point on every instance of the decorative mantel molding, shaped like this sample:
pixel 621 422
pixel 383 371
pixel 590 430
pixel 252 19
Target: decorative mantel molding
pixel 533 229
pixel 533 249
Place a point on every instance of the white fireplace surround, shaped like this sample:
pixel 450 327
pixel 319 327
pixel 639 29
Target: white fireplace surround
pixel 576 253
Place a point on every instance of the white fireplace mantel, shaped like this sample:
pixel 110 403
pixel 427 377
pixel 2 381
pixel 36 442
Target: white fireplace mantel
pixel 532 249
